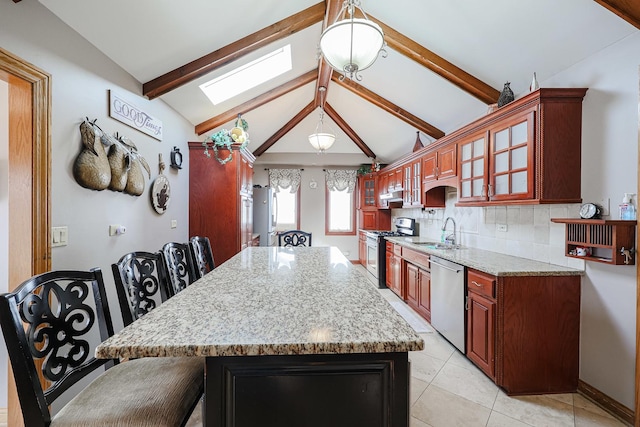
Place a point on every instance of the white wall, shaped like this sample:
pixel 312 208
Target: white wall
pixel 4 220
pixel 312 209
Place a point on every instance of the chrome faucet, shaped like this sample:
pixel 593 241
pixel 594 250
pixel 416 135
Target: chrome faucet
pixel 451 238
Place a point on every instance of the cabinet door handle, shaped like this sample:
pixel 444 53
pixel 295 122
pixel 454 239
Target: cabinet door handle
pixel 466 303
pixel 437 172
pixel 476 283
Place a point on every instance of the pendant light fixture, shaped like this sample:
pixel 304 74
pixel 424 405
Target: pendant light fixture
pixel 321 140
pixel 352 44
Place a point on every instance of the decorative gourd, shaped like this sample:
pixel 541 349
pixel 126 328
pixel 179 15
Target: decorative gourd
pixel 91 168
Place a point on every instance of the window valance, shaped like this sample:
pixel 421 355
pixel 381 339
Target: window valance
pixel 341 179
pixel 285 178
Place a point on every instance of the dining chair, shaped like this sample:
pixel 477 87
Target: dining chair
pixel 180 267
pixel 141 284
pixel 202 255
pixel 294 238
pixel 51 325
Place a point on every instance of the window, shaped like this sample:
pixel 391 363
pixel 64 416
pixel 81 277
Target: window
pixel 288 210
pixel 248 76
pixel 340 212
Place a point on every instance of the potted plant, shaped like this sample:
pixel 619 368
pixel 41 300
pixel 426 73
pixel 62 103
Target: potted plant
pixel 226 138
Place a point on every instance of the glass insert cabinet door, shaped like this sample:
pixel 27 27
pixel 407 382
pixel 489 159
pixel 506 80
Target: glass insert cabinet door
pixel 473 168
pixel 511 160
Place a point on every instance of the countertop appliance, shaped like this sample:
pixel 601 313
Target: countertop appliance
pixel 447 300
pixel 265 211
pixel 376 247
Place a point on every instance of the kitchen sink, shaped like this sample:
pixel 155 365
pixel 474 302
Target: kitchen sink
pixel 438 245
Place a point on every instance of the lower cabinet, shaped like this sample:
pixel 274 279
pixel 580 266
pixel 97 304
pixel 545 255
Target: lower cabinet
pixel 418 288
pixel 394 270
pixel 481 314
pixel 523 331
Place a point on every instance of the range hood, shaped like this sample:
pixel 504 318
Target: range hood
pixel 392 196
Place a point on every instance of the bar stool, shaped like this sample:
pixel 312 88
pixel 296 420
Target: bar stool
pixel 50 323
pixel 202 255
pixel 294 238
pixel 179 263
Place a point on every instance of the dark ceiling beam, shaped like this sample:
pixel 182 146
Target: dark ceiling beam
pixel 201 66
pixel 324 69
pixel 284 129
pixel 256 102
pixel 349 131
pixel 629 10
pixel 438 65
pixel 389 107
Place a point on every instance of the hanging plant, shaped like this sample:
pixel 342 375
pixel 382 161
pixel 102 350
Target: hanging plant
pixel 226 138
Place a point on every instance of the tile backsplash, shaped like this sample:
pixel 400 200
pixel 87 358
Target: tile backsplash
pixel 525 231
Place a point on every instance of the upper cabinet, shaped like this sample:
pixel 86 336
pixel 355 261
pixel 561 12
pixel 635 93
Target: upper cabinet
pixel 526 152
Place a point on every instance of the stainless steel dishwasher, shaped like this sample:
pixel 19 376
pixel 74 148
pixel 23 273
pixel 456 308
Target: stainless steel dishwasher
pixel 447 300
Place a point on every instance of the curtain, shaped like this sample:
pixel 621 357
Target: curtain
pixel 285 178
pixel 340 179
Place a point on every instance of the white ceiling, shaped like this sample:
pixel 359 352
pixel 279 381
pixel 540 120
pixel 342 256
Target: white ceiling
pixel 495 41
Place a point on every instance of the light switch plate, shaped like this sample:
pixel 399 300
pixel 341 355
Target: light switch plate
pixel 59 236
pixel 174 223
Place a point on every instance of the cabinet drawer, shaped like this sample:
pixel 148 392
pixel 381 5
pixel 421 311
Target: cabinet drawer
pixel 397 250
pixel 418 258
pixel 481 283
pixel 389 247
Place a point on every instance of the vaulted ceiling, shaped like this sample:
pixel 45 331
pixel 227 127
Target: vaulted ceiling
pixel 446 62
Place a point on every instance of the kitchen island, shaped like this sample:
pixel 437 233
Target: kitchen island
pixel 291 336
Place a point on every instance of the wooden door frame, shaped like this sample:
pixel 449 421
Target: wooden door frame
pixel 29 173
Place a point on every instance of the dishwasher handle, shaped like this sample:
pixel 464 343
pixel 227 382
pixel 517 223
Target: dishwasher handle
pixel 456 270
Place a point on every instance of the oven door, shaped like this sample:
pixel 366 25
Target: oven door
pixel 372 256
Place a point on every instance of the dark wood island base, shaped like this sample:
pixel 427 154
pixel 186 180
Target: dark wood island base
pixel 338 390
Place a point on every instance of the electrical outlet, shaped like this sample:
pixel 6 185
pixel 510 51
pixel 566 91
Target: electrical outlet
pixel 501 227
pixel 174 223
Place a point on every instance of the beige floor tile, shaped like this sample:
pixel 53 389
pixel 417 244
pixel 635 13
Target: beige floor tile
pixel 461 360
pixel 424 367
pixel 537 411
pixel 416 388
pixel 589 414
pixel 436 346
pixel 562 397
pixel 439 408
pixel 414 422
pixel 471 384
pixel 585 418
pixel 498 420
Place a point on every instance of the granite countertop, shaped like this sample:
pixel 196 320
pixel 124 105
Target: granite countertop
pixel 493 263
pixel 270 301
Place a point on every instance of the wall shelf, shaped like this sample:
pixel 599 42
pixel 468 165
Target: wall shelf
pixel 608 241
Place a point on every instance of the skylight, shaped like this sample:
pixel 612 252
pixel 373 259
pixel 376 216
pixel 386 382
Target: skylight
pixel 248 76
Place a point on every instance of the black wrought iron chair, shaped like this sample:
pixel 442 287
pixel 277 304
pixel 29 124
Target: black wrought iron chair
pixel 141 284
pixel 50 323
pixel 294 238
pixel 202 255
pixel 180 267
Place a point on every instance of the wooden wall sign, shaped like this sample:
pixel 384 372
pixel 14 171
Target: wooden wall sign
pixel 126 112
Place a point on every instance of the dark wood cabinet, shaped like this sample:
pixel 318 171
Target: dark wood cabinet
pixel 439 165
pixel 220 200
pixel 523 331
pixel 382 187
pixel 481 315
pixel 394 271
pixel 367 185
pixel 531 151
pixel 417 281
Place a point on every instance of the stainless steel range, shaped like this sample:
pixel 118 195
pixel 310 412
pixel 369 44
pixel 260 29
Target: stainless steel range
pixel 376 247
